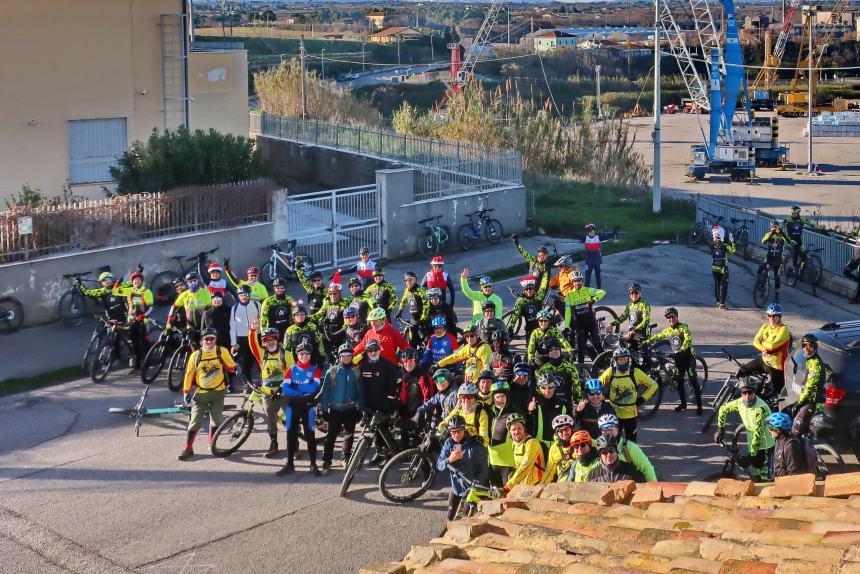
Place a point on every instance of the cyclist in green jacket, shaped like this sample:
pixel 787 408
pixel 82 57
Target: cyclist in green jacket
pixel 812 396
pixel 414 301
pixel 720 252
pixel 753 412
pixel 381 293
pixel 536 350
pixel 478 299
pixel 115 305
pixel 537 263
pixel 579 315
pixel 529 304
pixel 628 451
pixel 314 288
pixel 501 446
pixel 565 372
pixel 258 290
pixel 684 356
pixel 637 313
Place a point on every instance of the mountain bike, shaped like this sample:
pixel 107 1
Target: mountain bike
pixel 379 424
pixel 156 358
pixel 284 263
pixel 739 231
pixel 761 287
pixel 436 237
pixel 138 411
pixel 232 433
pixel 179 359
pixel 73 306
pixel 11 315
pixel 163 291
pixel 808 268
pixel 410 473
pixel 665 374
pixel 730 391
pixel 475 493
pixel 703 226
pixel 470 233
pixel 115 339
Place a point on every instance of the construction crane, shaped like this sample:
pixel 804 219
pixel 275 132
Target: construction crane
pixel 760 96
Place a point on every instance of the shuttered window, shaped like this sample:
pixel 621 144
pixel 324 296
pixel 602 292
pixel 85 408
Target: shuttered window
pixel 94 146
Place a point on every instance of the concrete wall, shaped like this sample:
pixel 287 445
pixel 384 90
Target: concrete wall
pixel 39 284
pixel 218 88
pixel 327 168
pixel 400 216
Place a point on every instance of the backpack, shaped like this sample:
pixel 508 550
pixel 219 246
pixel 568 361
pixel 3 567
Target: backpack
pixel 197 360
pixel 810 456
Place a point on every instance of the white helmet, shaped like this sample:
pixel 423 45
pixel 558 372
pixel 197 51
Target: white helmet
pixel 576 275
pixel 560 421
pixel 718 232
pixel 608 420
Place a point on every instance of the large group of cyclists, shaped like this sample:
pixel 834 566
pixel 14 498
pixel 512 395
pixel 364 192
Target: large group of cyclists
pixel 550 390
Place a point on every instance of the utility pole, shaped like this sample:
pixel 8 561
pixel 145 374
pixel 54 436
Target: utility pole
pixel 509 25
pixel 810 10
pixel 362 56
pixel 599 110
pixel 322 64
pixel 432 48
pixel 304 73
pixel 398 50
pixel 655 200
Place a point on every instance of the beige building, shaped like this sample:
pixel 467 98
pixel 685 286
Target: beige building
pixel 84 79
pixel 552 40
pixel 395 34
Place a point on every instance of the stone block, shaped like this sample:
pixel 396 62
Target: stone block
pixel 634 523
pixel 421 555
pixel 654 535
pixel 464 530
pixel 527 517
pixel 731 488
pixel 842 485
pixel 646 495
pixel 647 562
pixel 619 510
pixel 664 510
pixel 547 505
pixel 817 501
pixel 525 492
pixel 672 489
pixel 383 568
pixel 721 550
pixel 482 554
pixel 806 514
pixel 583 569
pixel 497 541
pixel 841 538
pixel 580 544
pixel 790 538
pixel 676 548
pixel 823 555
pixel 741 567
pixel 492 507
pixel 739 536
pixel 622 491
pixel 798 566
pixel 795 485
pixel 502 527
pixel 695 510
pixel 848 568
pixel 824 526
pixel 697 488
pixel 690 564
pixel 458 566
pixel 588 492
pixel 765 502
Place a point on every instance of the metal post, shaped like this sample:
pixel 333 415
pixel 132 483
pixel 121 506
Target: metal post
pixel 398 50
pixel 304 72
pixel 810 19
pixel 362 56
pixel 508 10
pixel 655 201
pixel 322 64
pixel 599 111
pixel 432 49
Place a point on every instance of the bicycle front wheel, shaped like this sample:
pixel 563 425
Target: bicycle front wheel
pixel 268 273
pixel 650 407
pixel 408 475
pixel 232 433
pixel 355 463
pixel 72 308
pixel 792 273
pixel 761 289
pixel 153 362
pixel 92 349
pixel 466 236
pixel 514 331
pixel 101 363
pixel 428 244
pixel 176 370
pixel 697 233
pixel 446 239
pixel 742 242
pixel 494 231
pixel 813 269
pixel 11 315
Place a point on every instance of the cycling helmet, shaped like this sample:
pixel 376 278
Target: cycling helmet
pixel 593 385
pixel 279 282
pixel 438 260
pixel 364 251
pixel 746 383
pixel 522 369
pixel 485 281
pixel 345 349
pixel 467 389
pixel 499 335
pixel 671 311
pixel 561 421
pixel 350 312
pixel 217 295
pixel 377 314
pixel 500 387
pixel 303 348
pixel 253 270
pixel 316 275
pixel 515 418
pixel 409 275
pixel 176 282
pixel 779 421
pixel 208 332
pixel 620 352
pixel 456 422
pixel 485 374
pixel 552 343
pixel 488 305
pixel 810 338
pixel 244 290
pixel 607 421
pixel 580 437
pixel 544 315
pixel 634 287
pixel 354 281
pixel 547 380
pixel 577 276
pixel 136 275
pixel 108 276
pixel 373 345
pixel 795 209
pixel 335 287
pixel 407 354
pixel 774 309
pixel 192 277
pixel 442 375
pixel 438 321
pixel 434 292
pixel 300 310
pixel 774 223
pixel 542 249
pixel 563 261
pixel 379 272
pixel 469 330
pixel 270 333
pixel 590 226
pixel 214 268
pixel 606 443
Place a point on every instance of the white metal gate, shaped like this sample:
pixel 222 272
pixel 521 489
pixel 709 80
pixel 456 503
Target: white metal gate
pixel 331 226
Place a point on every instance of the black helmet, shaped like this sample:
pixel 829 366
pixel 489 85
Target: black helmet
pixel 606 442
pixel 192 277
pixel 522 368
pixel 542 249
pixel 670 312
pixel 456 423
pixel 485 374
pixel 499 335
pixel 178 281
pixel 409 354
pixel 299 309
pixel 373 345
pixel 410 275
pixel 345 349
pixel 316 275
pixel 303 348
pixel 244 290
pixel 364 251
pixel 634 287
pixel 552 343
pixel 795 209
pixel 379 272
pixel 354 281
pixel 279 282
pixel 208 332
pixel 810 338
pixel 488 305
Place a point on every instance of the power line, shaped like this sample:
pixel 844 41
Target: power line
pixel 755 67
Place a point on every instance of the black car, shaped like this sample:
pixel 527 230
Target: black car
pixel 839 347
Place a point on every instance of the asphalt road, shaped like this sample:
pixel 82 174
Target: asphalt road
pixel 82 494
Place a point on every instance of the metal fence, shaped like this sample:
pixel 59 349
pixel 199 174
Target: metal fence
pixel 27 233
pixel 837 249
pixel 444 168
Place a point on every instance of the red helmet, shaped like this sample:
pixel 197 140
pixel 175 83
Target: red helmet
pixel 253 271
pixel 214 267
pixel 135 275
pixel 438 260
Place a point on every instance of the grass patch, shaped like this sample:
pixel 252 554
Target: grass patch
pixel 22 384
pixel 563 208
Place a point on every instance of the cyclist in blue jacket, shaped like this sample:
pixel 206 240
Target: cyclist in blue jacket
pixel 300 388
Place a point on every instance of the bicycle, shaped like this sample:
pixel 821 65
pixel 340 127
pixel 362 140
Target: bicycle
pixel 73 305
pixel 163 291
pixel 761 287
pixel 115 338
pixel 730 391
pixel 157 356
pixel 138 411
pixel 288 261
pixel 475 493
pixel 179 359
pixel 436 237
pixel 379 424
pixel 703 227
pixel 739 231
pixel 808 269
pixel 470 233
pixel 11 315
pixel 665 373
pixel 232 433
pixel 410 473
pixel 408 330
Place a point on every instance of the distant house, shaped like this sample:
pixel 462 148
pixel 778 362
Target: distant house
pixel 553 39
pixel 395 33
pixel 376 19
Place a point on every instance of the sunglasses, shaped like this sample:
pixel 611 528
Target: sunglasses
pixel 209 339
pixel 747 392
pixel 375 351
pixel 607 451
pixel 594 393
pixel 467 397
pixel 546 387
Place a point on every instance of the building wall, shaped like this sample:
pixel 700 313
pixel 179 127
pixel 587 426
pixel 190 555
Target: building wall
pixel 218 88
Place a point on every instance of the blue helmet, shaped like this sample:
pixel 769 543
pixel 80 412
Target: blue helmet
pixel 485 280
pixel 350 312
pixel 774 309
pixel 779 421
pixel 593 385
pixel 438 321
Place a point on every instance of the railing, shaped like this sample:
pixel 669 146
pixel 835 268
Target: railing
pixel 837 249
pixel 27 233
pixel 202 46
pixel 443 168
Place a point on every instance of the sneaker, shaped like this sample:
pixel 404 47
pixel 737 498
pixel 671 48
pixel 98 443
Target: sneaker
pixel 326 469
pixel 698 411
pixel 186 454
pixel 273 450
pixel 722 305
pixel 315 470
pixel 345 459
pixel 288 468
pixel 680 408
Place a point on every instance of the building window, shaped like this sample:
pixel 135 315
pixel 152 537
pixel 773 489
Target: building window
pixel 94 146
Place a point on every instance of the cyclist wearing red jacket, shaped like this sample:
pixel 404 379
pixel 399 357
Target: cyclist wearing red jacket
pixel 390 339
pixel 438 278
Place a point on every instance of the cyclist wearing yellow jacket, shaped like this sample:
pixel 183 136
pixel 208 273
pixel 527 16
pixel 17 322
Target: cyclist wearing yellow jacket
pixel 623 380
pixel 579 315
pixel 586 455
pixel 191 302
pixel 562 453
pixel 772 341
pixel 140 302
pixel 258 290
pixel 529 463
pixel 475 355
pixel 501 447
pixel 477 419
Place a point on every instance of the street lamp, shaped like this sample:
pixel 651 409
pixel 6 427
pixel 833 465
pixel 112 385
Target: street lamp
pixel 655 192
pixel 809 11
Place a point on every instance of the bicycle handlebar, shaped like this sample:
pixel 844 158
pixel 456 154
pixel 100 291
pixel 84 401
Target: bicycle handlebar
pixel 470 483
pixel 436 218
pixel 77 275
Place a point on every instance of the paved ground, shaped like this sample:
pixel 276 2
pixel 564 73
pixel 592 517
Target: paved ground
pixel 82 494
pixel 776 191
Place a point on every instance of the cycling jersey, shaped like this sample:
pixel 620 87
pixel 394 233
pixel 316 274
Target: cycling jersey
pixel 501 446
pixel 545 411
pixel 536 268
pixel 273 365
pixel 774 241
pixel 301 380
pixel 474 358
pixel 111 299
pixel 441 281
pixel 638 317
pixel 315 295
pixel 754 419
pixel 478 299
pixel 774 341
pixel 258 290
pixel 539 337
pixel 477 422
pixel 360 304
pixel 330 316
pixel 390 340
pixel 623 390
pixel 569 387
pixel 679 338
pixel 794 227
pixel 438 348
pixel 306 333
pixel 558 462
pixel 561 282
pixel 381 295
pixel 486 328
pixel 364 270
pixel 720 255
pixel 584 466
pixel 414 299
pixel 193 303
pixel 817 373
pixel 592 250
pixel 141 298
pixel 277 312
pixel 579 305
pixel 629 451
pixel 529 463
pixel 207 370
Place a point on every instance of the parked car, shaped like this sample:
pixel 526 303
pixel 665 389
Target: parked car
pixel 839 347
